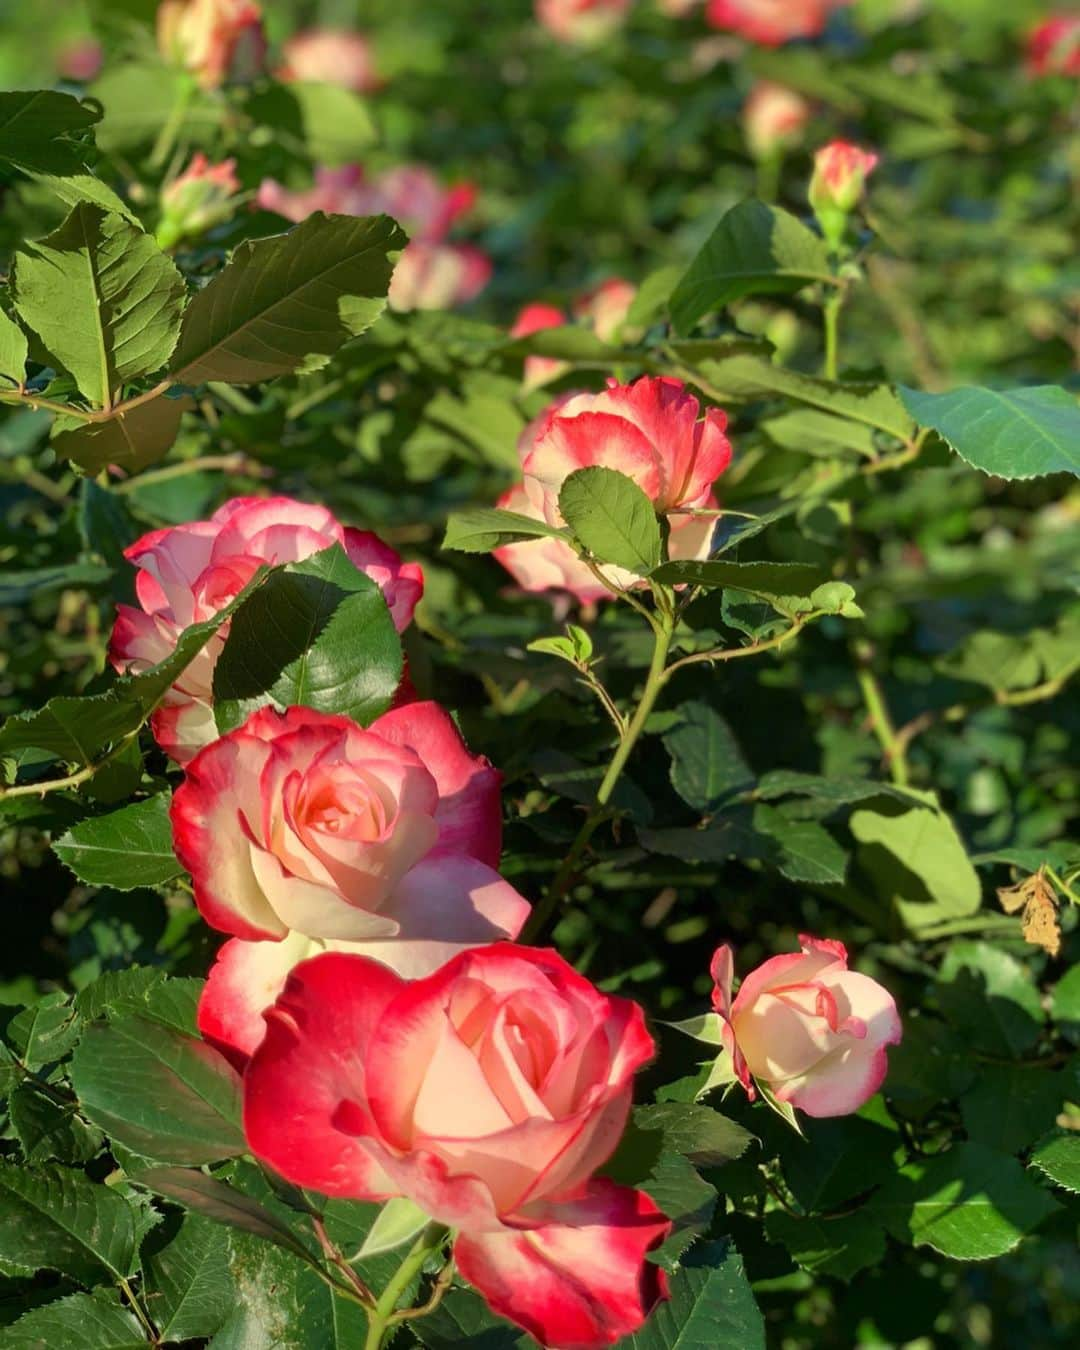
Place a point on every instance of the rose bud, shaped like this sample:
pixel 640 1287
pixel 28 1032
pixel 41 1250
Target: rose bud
pixel 606 306
pixel 772 22
pixel 773 119
pixel 331 56
pixel 203 196
pixel 190 572
pixel 648 430
pixel 216 40
pixel 806 1030
pixel 1054 47
pixel 488 1093
pixel 840 173
pixel 584 22
pixel 305 832
pixel 539 370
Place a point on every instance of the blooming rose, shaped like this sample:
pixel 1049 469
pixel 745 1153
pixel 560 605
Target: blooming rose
pixel 303 831
pixel 606 306
pixel 807 1028
pixel 772 22
pixel 190 572
pixel 647 430
pixel 431 273
pixel 216 40
pixel 488 1093
pixel 1054 47
pixel 773 119
pixel 582 21
pixel 331 56
pixel 201 197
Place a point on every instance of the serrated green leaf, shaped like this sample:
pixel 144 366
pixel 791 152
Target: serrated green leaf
pixel 125 849
pixel 810 432
pixel 325 122
pixel 102 297
pixel 54 1218
pixel 131 440
pixel 830 792
pixel 711 1305
pixel 45 1032
pixel 41 129
pixel 756 578
pixel 79 1322
pixel 320 635
pixel 701 1135
pixel 991 997
pixel 707 765
pixel 839 1246
pixel 1011 1105
pixel 1058 1157
pixel 997 660
pixel 188 1289
pixel 612 517
pixel 49 1127
pixel 282 300
pixel 165 1095
pixel 464 1319
pixel 485 528
pixel 1010 433
pixel 755 250
pixel 13 350
pixel 970 1203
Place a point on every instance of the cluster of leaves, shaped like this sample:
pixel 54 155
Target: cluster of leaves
pixel 893 751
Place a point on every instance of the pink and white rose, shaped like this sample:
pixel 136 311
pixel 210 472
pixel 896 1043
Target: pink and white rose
pixel 187 573
pixel 774 118
pixel 215 40
pixel 304 832
pixel 1053 48
pixel 840 173
pixel 582 21
pixel 540 370
pixel 203 196
pixel 331 56
pixel 648 430
pixel 806 1028
pixel 488 1093
pixel 772 22
pixel 605 307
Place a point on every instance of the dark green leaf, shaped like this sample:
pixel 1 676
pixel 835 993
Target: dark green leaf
pixel 707 765
pixel 41 129
pixel 1058 1157
pixel 1011 1105
pixel 319 634
pixel 125 849
pixel 711 1306
pixel 16 588
pixel 327 122
pixel 1011 433
pixel 755 250
pixel 188 1290
pixel 990 996
pixel 44 1032
pixel 131 440
pixel 219 1201
pixel 78 1322
pixel 13 350
pixel 485 528
pixel 165 1095
pixel 612 517
pixel 48 1127
pixel 699 1133
pixel 757 578
pixel 464 1319
pixel 286 299
pixel 839 1246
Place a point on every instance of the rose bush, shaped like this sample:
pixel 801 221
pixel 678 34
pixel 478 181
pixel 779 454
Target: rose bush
pixel 517 1089
pixel 189 572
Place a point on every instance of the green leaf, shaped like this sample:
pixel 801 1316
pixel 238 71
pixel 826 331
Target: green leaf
pixel 140 97
pixel 48 1127
pixel 990 996
pixel 165 1095
pixel 1011 1105
pixel 828 792
pixel 839 1246
pixel 16 588
pixel 756 578
pixel 78 1322
pixel 1011 433
pixel 131 440
pixel 484 528
pixel 327 123
pixel 1065 1007
pixel 464 1319
pixel 318 634
pixel 285 299
pixel 188 1290
pixel 125 849
pixel 996 660
pixel 710 1306
pixel 835 1160
pixel 707 765
pixel 78 729
pixel 1058 1157
pixel 397 1222
pixel 919 861
pixel 970 1203
pixel 755 250
pixel 54 1218
pixel 13 350
pixel 803 849
pixel 41 129
pixel 103 299
pixel 219 1201
pixel 700 1134
pixel 810 432
pixel 45 1032
pixel 612 517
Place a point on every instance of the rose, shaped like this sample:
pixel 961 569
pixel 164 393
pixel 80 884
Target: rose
pixel 840 173
pixel 805 1028
pixel 1054 46
pixel 772 22
pixel 303 831
pixel 215 40
pixel 581 21
pixel 647 430
pixel 190 572
pixel 539 370
pixel 488 1093
pixel 431 273
pixel 606 306
pixel 331 56
pixel 201 197
pixel 773 119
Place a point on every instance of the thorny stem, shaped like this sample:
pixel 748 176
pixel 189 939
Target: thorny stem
pixel 338 1261
pixel 382 1317
pixel 66 410
pixel 72 779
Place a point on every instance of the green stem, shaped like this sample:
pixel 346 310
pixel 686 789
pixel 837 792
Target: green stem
pixel 893 746
pixel 163 146
pixel 654 682
pixel 831 313
pixel 768 177
pixel 380 1318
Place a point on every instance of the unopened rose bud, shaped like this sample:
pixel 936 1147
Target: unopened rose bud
pixel 203 196
pixel 215 40
pixel 840 172
pixel 773 119
pixel 583 22
pixel 606 306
